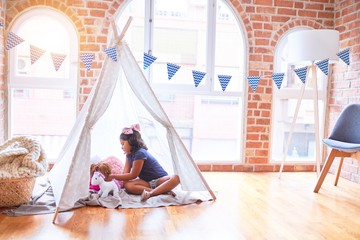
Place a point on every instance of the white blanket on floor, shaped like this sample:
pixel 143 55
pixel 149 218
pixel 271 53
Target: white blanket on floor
pixel 43 201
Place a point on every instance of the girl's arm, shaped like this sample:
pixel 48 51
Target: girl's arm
pixel 129 174
pixel 127 166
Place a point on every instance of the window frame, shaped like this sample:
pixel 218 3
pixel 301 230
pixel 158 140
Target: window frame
pixel 208 87
pixel 206 90
pixel 66 83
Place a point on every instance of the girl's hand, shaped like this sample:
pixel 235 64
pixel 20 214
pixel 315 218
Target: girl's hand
pixel 109 178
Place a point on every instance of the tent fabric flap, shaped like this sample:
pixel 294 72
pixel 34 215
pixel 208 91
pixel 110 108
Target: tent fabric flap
pixel 121 97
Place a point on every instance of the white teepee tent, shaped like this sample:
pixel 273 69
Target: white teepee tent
pixel 121 97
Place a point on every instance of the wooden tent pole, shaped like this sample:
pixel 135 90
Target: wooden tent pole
pixel 126 27
pixel 118 37
pixel 55 215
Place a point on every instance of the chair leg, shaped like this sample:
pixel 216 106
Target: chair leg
pixel 338 171
pixel 325 169
pixel 334 153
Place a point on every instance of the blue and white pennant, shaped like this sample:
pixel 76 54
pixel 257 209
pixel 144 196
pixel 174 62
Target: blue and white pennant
pixel 35 53
pixel 278 78
pixel 148 60
pixel 198 76
pixel 301 73
pixel 324 66
pixel 253 81
pixel 87 59
pixel 13 40
pixel 224 81
pixel 58 59
pixel 345 56
pixel 172 69
pixel 111 52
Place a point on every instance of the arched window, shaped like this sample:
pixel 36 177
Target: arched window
pixel 302 147
pixel 42 99
pixel 200 35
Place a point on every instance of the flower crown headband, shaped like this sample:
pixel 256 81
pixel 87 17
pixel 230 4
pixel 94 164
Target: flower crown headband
pixel 129 130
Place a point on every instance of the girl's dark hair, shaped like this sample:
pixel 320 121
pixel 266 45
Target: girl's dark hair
pixel 135 141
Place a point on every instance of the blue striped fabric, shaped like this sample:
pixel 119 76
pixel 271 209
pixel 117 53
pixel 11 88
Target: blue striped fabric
pixel 345 56
pixel 253 81
pixel 198 76
pixel 224 81
pixel 87 60
pixel 13 40
pixel 172 69
pixel 324 66
pixel 278 78
pixel 148 60
pixel 301 73
pixel 35 53
pixel 111 52
pixel 57 59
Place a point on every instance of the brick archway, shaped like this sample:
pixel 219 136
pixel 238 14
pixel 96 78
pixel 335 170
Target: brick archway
pixel 293 24
pixel 15 10
pixel 245 20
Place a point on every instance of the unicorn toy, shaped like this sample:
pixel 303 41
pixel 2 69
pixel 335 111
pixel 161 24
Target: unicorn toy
pixel 105 187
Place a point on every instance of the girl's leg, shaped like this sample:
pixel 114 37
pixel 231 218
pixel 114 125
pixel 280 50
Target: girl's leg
pixel 136 186
pixel 164 185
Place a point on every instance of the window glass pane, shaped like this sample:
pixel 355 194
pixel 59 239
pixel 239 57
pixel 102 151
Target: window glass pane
pixel 302 144
pixel 135 34
pixel 179 38
pixel 42 101
pixel 209 126
pixel 47 114
pixel 229 49
pixel 48 35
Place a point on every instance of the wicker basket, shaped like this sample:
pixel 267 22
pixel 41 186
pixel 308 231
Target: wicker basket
pixel 15 191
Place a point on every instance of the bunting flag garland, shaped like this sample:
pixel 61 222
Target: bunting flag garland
pixel 172 69
pixel 324 66
pixel 148 60
pixel 111 52
pixel 253 81
pixel 57 59
pixel 198 76
pixel 13 40
pixel 301 73
pixel 87 60
pixel 278 78
pixel 344 56
pixel 35 53
pixel 224 81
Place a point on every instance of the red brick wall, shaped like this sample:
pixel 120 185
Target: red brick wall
pixel 2 71
pixel 265 22
pixel 345 80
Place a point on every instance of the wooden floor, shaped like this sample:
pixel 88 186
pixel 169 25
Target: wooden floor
pixel 248 206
